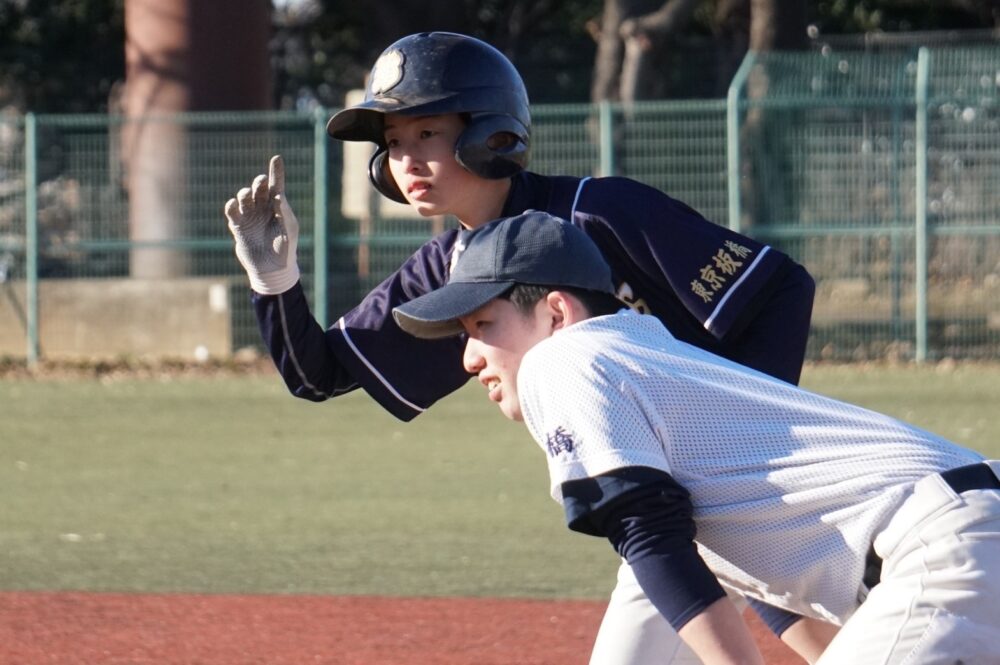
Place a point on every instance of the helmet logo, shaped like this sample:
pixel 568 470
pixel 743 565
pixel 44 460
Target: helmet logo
pixel 387 72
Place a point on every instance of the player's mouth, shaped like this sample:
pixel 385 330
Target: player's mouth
pixel 418 190
pixel 493 386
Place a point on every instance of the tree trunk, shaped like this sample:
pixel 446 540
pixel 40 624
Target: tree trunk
pixel 610 52
pixel 775 25
pixel 732 39
pixel 181 55
pixel 645 40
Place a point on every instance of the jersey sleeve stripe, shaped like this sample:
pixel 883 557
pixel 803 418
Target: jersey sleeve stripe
pixel 736 285
pixel 375 372
pixel 576 199
pixel 290 349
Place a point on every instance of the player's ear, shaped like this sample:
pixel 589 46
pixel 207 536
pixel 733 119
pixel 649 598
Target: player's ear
pixel 562 309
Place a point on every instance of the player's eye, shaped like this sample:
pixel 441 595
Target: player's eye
pixel 428 133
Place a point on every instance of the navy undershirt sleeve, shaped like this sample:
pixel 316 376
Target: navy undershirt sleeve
pixel 647 517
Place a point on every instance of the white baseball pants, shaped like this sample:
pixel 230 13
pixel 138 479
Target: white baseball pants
pixel 633 632
pixel 938 602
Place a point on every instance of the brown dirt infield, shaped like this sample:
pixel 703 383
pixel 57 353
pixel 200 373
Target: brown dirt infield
pixel 39 628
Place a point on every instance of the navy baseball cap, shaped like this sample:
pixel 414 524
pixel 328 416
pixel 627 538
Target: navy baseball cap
pixel 531 248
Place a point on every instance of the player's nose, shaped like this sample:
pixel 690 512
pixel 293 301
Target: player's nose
pixel 472 359
pixel 411 162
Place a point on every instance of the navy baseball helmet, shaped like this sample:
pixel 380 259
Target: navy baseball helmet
pixel 432 73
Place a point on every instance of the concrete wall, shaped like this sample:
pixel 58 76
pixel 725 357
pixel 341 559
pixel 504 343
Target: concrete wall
pixel 104 318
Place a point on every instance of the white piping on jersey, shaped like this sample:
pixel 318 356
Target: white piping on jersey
pixel 291 350
pixel 456 251
pixel 576 199
pixel 375 372
pixel 715 312
pixel 718 308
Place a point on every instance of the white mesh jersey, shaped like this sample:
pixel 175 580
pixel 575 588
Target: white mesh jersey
pixel 788 487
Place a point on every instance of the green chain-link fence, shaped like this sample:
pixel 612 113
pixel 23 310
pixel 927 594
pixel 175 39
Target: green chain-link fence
pixel 879 171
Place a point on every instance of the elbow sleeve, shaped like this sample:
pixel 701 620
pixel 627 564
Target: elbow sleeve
pixel 647 517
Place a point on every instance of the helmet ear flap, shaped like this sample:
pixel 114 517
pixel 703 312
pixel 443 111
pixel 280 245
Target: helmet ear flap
pixel 493 146
pixel 381 179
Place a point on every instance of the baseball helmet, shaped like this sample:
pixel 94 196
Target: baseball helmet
pixel 433 73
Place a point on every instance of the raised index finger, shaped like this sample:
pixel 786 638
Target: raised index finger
pixel 276 176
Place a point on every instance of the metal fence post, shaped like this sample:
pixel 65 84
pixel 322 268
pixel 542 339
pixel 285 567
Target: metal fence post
pixel 920 205
pixel 31 236
pixel 607 133
pixel 733 138
pixel 320 272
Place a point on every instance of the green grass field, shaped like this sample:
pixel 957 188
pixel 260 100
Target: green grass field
pixel 229 485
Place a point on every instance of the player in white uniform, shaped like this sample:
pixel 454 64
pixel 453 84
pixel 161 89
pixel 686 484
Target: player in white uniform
pixel 863 539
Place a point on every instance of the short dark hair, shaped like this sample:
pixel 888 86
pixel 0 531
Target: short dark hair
pixel 525 296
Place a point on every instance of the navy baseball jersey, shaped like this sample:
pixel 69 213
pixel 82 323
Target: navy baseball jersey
pixel 706 283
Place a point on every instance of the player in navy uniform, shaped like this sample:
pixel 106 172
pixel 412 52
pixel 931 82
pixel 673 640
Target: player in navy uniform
pixel 449 117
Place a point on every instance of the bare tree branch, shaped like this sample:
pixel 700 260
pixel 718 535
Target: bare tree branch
pixel 660 25
pixel 644 36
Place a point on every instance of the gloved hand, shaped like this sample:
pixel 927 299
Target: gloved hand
pixel 266 232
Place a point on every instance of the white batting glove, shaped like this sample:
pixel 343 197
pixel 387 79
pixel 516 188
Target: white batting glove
pixel 266 232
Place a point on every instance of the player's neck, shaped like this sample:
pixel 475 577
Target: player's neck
pixel 489 205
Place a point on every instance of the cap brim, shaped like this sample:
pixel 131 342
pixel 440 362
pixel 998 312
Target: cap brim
pixel 436 314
